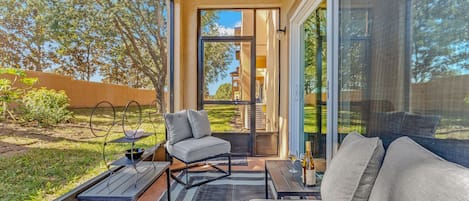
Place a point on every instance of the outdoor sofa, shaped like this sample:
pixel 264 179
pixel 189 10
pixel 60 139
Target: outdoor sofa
pixel 397 168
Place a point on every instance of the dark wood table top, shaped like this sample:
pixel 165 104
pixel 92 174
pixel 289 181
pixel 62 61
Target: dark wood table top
pixel 121 185
pixel 287 184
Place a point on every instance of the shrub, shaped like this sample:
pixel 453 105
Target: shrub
pixel 13 85
pixel 47 107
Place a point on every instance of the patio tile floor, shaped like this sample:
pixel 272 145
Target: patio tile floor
pixel 159 187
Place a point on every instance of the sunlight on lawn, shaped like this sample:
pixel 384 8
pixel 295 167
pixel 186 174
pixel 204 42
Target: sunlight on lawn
pixel 48 162
pixel 221 117
pixel 51 161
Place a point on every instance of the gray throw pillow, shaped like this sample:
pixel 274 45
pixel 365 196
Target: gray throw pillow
pixel 412 173
pixel 177 126
pixel 199 123
pixel 353 170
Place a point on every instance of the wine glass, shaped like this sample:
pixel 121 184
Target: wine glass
pixel 293 157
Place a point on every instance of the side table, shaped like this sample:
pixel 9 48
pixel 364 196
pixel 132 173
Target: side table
pixel 285 183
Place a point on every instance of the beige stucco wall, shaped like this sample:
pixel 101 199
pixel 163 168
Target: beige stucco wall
pixel 186 53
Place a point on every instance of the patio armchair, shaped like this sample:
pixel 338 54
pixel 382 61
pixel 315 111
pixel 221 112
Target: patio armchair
pixel 189 140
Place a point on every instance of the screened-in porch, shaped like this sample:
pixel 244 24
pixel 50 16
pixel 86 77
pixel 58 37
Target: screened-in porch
pixel 234 100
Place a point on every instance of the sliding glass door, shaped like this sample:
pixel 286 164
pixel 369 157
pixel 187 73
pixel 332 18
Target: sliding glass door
pixel 405 62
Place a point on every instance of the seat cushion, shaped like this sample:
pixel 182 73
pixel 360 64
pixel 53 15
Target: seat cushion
pixel 353 170
pixel 200 124
pixel 193 149
pixel 412 173
pixel 177 126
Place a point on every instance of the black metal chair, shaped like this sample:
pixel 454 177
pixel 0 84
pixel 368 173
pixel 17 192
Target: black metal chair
pixel 192 151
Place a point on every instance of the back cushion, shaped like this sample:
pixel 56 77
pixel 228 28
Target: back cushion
pixel 420 125
pixel 177 126
pixel 382 123
pixel 199 123
pixel 353 170
pixel 412 173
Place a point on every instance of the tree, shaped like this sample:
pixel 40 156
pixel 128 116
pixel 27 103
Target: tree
pixel 224 92
pixel 141 27
pixel 24 36
pixel 123 41
pixel 312 36
pixel 217 55
pixel 439 39
pixel 79 35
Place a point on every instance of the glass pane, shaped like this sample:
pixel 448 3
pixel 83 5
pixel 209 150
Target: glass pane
pixel 354 62
pixel 227 71
pixel 404 70
pixel 82 52
pixel 315 82
pixel 238 22
pixel 228 118
pixel 267 75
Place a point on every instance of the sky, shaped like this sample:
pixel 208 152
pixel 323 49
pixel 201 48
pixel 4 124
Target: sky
pixel 227 21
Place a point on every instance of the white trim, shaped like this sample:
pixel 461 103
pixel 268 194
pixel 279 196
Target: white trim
pixel 332 78
pixel 304 10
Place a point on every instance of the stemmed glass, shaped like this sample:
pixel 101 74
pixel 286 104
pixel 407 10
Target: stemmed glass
pixel 293 157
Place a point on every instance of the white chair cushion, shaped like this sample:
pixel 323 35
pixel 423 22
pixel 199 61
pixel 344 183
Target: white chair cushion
pixel 177 126
pixel 353 170
pixel 193 149
pixel 199 123
pixel 412 173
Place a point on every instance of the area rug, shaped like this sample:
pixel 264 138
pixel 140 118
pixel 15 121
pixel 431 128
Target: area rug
pixel 235 161
pixel 240 186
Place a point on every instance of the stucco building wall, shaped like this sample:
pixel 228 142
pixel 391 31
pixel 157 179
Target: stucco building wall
pixel 186 53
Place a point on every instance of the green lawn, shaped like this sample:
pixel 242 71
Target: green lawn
pixel 222 117
pixel 348 121
pixel 46 163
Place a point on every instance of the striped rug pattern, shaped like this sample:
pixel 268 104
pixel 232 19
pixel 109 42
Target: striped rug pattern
pixel 240 186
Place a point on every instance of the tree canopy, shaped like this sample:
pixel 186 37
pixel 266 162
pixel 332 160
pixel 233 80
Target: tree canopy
pixel 122 42
pixel 224 92
pixel 439 39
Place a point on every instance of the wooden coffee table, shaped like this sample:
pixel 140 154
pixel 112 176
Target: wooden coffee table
pixel 285 183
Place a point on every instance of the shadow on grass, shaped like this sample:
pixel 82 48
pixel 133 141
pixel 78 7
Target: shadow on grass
pixel 9 149
pixel 43 171
pixel 33 133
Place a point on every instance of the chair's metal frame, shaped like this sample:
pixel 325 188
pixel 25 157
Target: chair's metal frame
pixel 194 164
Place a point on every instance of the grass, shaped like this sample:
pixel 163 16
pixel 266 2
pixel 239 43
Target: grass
pixel 222 117
pixel 52 161
pixel 348 121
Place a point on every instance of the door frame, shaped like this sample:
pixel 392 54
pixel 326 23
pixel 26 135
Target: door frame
pixel 253 135
pixel 250 103
pixel 201 39
pixel 296 72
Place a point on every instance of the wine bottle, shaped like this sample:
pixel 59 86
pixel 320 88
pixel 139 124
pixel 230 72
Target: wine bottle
pixel 310 172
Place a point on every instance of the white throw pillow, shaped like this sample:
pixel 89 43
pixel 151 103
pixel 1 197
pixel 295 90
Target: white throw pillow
pixel 353 170
pixel 412 173
pixel 177 126
pixel 199 123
